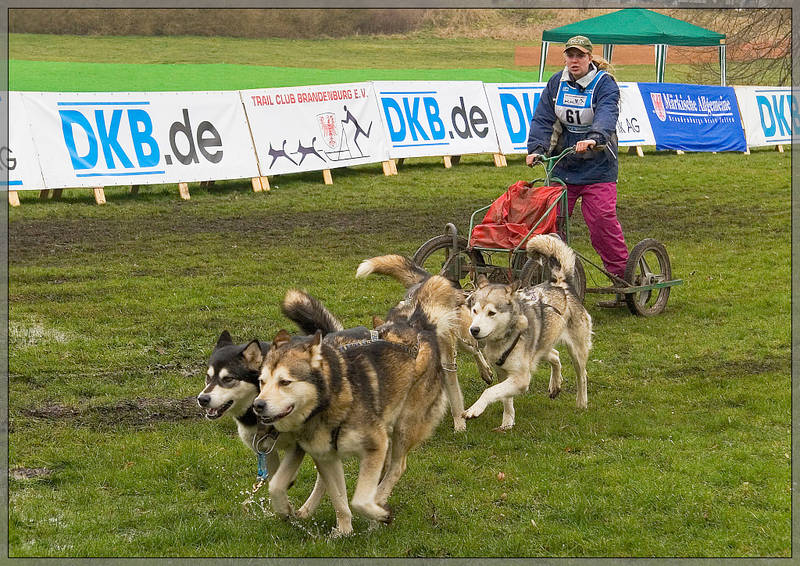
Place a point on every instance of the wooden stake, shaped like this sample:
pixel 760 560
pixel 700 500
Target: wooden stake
pixel 43 194
pixel 779 148
pixel 13 198
pixel 399 161
pixel 264 183
pixel 637 149
pixel 256 182
pixel 57 194
pixel 387 168
pixel 183 189
pixel 447 162
pixel 500 160
pixel 748 151
pixel 393 165
pixel 455 159
pixel 326 176
pixel 99 195
pixel 134 189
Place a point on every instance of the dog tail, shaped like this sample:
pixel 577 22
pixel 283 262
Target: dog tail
pixel 308 313
pixel 439 301
pixel 400 267
pixel 559 254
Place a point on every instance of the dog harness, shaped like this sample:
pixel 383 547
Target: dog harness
pixel 502 359
pixel 375 337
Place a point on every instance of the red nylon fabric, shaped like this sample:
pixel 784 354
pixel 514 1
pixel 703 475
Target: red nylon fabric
pixel 512 215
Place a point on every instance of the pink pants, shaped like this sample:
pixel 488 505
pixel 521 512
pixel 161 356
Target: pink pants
pixel 599 208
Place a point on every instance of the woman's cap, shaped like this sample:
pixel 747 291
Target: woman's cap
pixel 579 42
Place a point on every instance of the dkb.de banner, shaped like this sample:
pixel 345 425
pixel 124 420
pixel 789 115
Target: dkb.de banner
pixel 20 158
pixel 693 117
pixel 433 118
pixel 770 114
pixel 131 138
pixel 514 104
pixel 310 128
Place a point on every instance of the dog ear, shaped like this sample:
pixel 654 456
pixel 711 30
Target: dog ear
pixel 316 351
pixel 377 321
pixel 252 354
pixel 516 285
pixel 281 338
pixel 224 340
pixel 482 281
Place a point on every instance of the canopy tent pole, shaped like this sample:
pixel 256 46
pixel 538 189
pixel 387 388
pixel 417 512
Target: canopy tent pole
pixel 722 63
pixel 608 51
pixel 543 58
pixel 661 61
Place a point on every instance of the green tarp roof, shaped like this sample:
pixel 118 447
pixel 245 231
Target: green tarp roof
pixel 636 26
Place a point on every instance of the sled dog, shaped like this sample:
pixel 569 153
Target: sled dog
pixel 375 400
pixel 518 327
pixel 445 301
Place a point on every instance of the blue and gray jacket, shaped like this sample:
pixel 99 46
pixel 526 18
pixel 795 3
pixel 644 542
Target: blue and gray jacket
pixel 587 109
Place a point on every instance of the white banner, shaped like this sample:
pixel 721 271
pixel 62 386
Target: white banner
pixel 20 158
pixel 769 114
pixel 633 125
pixel 309 128
pixel 433 118
pixel 514 104
pixel 130 138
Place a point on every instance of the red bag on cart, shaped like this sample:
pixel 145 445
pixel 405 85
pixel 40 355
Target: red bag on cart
pixel 513 214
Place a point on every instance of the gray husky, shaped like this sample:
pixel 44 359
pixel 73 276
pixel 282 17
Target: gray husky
pixel 516 328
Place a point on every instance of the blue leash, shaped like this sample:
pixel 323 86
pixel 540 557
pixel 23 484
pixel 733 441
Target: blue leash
pixel 263 472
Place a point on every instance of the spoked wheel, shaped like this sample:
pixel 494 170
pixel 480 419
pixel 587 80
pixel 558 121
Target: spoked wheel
pixel 535 272
pixel 436 256
pixel 648 263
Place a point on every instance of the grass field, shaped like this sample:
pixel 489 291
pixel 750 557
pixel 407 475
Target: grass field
pixel 683 451
pixel 99 64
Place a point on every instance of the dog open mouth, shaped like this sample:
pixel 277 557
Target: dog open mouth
pixel 212 414
pixel 268 420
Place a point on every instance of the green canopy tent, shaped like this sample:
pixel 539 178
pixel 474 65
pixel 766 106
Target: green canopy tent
pixel 637 26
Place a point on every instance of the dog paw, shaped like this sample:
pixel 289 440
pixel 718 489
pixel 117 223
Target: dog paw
pixel 389 517
pixel 554 394
pixel 303 513
pixel 503 428
pixel 340 532
pixel 472 413
pixel 459 425
pixel 487 377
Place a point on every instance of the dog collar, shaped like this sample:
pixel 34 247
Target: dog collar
pixel 502 359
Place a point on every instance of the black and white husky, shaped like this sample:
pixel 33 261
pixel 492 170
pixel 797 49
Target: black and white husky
pixel 232 384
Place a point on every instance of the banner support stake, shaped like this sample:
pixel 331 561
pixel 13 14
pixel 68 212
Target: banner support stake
pixel 99 195
pixel 183 189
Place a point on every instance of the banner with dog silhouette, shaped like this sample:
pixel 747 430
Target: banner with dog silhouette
pixel 310 128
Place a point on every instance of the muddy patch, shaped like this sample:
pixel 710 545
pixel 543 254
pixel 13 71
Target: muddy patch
pixel 133 413
pixel 22 473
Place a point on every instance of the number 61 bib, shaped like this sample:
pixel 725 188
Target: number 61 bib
pixel 574 106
